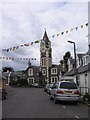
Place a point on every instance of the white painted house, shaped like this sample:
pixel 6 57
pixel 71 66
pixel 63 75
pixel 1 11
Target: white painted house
pixel 83 72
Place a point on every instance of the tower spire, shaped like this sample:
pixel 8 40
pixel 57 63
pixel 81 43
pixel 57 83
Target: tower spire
pixel 29 63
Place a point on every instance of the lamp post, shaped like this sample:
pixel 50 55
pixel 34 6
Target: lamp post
pixel 75 67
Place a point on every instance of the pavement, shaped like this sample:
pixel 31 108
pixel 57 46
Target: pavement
pixel 35 103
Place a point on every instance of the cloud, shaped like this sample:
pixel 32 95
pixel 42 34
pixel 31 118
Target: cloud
pixel 25 23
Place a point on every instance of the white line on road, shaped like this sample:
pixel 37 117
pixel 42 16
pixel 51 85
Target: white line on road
pixel 63 106
pixel 77 117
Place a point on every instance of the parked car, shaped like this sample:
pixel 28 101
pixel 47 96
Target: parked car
pixel 49 88
pixel 65 91
pixel 46 87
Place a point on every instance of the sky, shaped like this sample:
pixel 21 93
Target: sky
pixel 24 22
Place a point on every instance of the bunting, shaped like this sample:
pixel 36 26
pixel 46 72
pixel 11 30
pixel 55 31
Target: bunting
pixel 39 41
pixel 12 58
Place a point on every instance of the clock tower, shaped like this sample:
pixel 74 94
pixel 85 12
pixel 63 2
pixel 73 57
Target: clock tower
pixel 45 57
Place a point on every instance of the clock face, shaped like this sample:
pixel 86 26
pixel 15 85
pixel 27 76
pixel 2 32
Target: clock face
pixel 43 50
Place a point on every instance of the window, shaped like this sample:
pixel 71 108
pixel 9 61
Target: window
pixel 68 85
pixel 83 60
pixel 30 72
pixel 87 59
pixel 44 72
pixel 54 71
pixel 54 79
pixel 43 61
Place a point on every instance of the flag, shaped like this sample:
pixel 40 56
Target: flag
pixel 31 43
pixel 3 57
pixel 62 33
pixel 3 49
pixel 17 47
pixel 13 48
pixel 20 58
pixel 76 28
pixel 0 57
pixel 9 58
pixel 7 50
pixel 57 35
pixel 26 44
pixel 72 29
pixel 81 26
pixel 10 48
pixel 21 45
pixel 37 41
pixel 67 31
pixel 86 24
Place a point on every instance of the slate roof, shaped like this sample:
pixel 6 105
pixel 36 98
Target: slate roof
pixel 80 55
pixel 81 69
pixel 56 66
pixel 45 37
pixel 36 68
pixel 85 68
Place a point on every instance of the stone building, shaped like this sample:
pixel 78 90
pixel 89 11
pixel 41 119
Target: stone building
pixel 50 71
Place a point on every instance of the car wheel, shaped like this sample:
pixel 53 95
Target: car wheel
pixel 55 100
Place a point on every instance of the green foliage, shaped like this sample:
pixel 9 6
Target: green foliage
pixel 22 82
pixel 13 82
pixel 86 97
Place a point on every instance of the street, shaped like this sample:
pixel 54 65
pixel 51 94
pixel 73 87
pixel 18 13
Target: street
pixel 35 103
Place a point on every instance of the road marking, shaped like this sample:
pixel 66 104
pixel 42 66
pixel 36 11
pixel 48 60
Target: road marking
pixel 63 106
pixel 77 117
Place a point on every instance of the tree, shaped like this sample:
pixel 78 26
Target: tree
pixel 4 69
pixel 64 62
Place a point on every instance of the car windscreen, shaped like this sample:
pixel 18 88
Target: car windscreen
pixel 68 85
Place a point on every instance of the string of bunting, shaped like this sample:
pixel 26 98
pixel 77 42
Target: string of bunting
pixel 12 58
pixel 38 41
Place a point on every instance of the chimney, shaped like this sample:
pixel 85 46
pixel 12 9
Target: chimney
pixel 29 63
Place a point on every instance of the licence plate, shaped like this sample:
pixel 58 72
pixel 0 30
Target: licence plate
pixel 68 92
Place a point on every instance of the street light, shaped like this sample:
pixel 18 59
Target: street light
pixel 74 52
pixel 75 59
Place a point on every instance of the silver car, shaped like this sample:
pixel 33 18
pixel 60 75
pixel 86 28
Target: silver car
pixel 65 91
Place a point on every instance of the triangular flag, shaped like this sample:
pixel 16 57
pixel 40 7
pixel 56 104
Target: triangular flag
pixel 67 31
pixel 21 45
pixel 62 33
pixel 76 28
pixel 72 29
pixel 7 50
pixel 13 48
pixel 17 47
pixel 37 41
pixel 31 43
pixel 57 34
pixel 26 44
pixel 86 24
pixel 81 26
